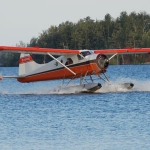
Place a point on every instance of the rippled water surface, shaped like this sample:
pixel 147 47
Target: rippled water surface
pixel 32 117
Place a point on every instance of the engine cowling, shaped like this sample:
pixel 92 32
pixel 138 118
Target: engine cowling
pixel 102 62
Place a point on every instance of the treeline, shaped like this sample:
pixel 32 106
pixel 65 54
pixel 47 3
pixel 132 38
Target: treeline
pixel 131 30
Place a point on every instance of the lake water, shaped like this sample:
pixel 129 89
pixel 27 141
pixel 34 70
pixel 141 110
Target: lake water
pixel 33 117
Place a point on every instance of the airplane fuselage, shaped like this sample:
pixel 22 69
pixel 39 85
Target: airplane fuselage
pixel 80 64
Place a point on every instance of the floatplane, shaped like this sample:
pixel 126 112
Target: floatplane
pixel 70 64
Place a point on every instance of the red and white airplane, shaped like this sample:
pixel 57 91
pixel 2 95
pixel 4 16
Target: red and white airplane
pixel 71 64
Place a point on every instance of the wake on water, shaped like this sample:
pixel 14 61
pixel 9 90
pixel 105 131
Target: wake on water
pixel 115 86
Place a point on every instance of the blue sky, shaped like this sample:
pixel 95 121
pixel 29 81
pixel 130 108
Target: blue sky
pixel 20 20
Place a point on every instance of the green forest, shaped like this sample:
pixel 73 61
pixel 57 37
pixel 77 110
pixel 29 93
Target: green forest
pixel 127 30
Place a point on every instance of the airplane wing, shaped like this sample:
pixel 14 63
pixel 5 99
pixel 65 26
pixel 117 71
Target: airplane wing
pixel 123 51
pixel 37 50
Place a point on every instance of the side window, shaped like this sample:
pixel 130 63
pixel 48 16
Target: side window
pixel 69 61
pixel 79 57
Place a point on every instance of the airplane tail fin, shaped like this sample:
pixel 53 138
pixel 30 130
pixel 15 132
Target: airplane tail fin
pixel 26 67
pixel 26 64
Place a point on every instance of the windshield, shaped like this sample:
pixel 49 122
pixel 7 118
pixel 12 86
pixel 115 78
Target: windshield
pixel 85 53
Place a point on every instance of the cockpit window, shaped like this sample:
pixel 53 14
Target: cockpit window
pixel 85 53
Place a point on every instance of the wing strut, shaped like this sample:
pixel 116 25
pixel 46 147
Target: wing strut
pixel 61 63
pixel 113 56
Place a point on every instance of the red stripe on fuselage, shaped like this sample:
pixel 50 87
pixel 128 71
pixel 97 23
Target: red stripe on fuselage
pixel 62 73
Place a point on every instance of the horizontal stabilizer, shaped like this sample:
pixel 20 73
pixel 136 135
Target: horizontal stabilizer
pixel 16 77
